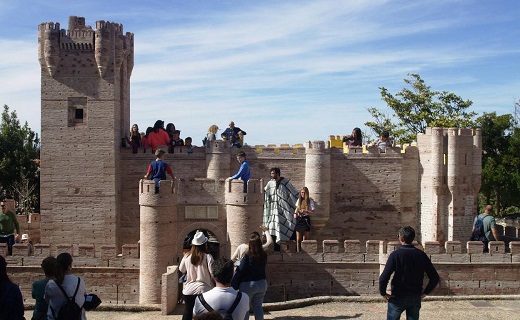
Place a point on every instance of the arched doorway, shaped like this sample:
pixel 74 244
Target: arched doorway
pixel 213 243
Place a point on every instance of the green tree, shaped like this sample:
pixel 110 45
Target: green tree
pixel 500 161
pixel 19 174
pixel 419 107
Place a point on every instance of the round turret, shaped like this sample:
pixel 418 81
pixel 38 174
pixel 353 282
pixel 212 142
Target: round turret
pixel 158 217
pixel 244 210
pixel 318 180
pixel 218 160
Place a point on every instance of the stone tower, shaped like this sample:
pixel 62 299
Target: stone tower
pixel 450 161
pixel 85 105
pixel 158 221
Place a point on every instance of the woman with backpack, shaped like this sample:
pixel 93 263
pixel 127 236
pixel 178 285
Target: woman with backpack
pixel 66 294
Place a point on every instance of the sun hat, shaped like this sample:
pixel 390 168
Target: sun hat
pixel 199 239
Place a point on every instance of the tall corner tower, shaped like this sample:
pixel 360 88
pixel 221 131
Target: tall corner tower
pixel 85 111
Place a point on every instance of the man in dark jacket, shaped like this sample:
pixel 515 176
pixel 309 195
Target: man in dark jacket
pixel 408 264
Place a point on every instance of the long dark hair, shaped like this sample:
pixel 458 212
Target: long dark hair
pixel 63 264
pixel 197 253
pixel 3 272
pixel 255 248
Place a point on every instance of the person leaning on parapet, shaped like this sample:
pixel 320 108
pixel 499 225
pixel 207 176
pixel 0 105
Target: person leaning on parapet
pixel 489 223
pixel 279 205
pixel 244 172
pixel 176 139
pixel 408 264
pixel 8 226
pixel 38 289
pixel 222 297
pixel 159 136
pixel 211 135
pixel 234 135
pixel 158 169
pixel 355 139
pixel 383 141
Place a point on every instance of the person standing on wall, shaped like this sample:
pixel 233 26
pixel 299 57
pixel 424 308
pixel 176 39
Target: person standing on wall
pixel 8 226
pixel 244 172
pixel 279 206
pixel 304 207
pixel 408 264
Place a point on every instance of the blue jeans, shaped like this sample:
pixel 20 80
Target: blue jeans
pixel 256 292
pixel 10 242
pixel 410 304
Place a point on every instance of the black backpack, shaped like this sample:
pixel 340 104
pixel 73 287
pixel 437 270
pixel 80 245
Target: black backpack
pixel 229 313
pixel 478 230
pixel 70 310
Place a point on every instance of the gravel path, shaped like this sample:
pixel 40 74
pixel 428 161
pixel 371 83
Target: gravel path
pixel 431 310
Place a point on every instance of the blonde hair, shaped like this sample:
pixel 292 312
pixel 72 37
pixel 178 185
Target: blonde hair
pixel 213 129
pixel 304 202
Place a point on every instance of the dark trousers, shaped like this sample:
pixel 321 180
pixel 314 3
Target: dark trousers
pixel 189 301
pixel 10 242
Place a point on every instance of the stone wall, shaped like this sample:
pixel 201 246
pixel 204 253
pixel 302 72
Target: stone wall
pixel 349 267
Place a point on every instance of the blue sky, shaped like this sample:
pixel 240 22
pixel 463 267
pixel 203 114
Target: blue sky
pixel 284 71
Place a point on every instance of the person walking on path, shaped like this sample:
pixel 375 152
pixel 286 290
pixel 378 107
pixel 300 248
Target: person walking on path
pixel 408 264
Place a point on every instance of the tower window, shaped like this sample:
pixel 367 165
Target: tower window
pixel 77 111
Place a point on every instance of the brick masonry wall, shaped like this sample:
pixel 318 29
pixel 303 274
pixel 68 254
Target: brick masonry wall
pixel 341 268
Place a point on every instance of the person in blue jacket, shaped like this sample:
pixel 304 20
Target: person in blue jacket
pixel 245 171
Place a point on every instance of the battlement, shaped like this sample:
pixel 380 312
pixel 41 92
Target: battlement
pixel 452 131
pixel 85 255
pixel 49 26
pixel 346 251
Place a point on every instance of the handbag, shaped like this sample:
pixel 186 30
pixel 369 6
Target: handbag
pixel 92 301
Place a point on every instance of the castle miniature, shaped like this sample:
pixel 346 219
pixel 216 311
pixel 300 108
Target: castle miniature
pixel 94 204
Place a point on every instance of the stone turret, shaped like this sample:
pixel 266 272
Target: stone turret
pixel 317 179
pixel 48 46
pixel 244 210
pixel 217 159
pixel 158 218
